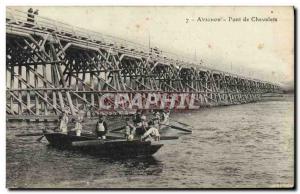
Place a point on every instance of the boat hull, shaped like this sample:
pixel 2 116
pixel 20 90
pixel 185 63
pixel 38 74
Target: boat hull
pixel 103 148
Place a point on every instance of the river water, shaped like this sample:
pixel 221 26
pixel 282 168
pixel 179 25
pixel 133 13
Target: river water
pixel 240 146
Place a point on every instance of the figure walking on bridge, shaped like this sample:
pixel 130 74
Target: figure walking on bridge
pixel 36 13
pixel 30 16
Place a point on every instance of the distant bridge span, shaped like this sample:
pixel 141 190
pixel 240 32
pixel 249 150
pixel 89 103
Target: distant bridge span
pixel 52 66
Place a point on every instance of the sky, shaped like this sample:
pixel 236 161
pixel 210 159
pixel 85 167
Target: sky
pixel 258 49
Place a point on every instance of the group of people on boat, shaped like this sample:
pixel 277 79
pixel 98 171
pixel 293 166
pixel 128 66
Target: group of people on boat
pixel 100 130
pixel 136 128
pixel 63 124
pixel 143 129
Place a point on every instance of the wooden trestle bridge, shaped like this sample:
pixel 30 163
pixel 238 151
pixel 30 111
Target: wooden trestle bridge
pixel 51 66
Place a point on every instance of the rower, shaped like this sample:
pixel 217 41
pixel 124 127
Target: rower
pixel 63 126
pixel 144 121
pixel 137 118
pixel 142 126
pixel 101 128
pixel 151 132
pixel 165 117
pixel 157 120
pixel 129 130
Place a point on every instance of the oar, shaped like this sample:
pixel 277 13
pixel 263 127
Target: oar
pixel 161 137
pixel 168 137
pixel 180 123
pixel 40 138
pixel 178 128
pixel 118 132
pixel 117 129
pixel 29 134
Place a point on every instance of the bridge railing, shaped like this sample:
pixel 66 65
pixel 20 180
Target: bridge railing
pixel 40 22
pixel 43 22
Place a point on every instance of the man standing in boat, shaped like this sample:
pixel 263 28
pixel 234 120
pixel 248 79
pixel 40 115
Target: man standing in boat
pixel 101 128
pixel 78 126
pixel 63 126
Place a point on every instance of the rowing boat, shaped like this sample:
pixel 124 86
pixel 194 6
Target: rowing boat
pixel 107 148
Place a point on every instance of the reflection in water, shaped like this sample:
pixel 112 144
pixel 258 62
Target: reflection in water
pixel 139 166
pixel 247 145
pixel 131 166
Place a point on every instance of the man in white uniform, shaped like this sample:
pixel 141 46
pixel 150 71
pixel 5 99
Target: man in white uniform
pixel 151 132
pixel 78 126
pixel 63 126
pixel 101 128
